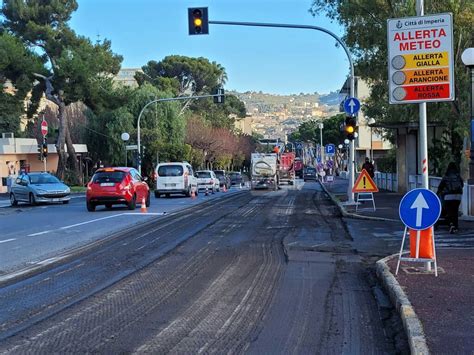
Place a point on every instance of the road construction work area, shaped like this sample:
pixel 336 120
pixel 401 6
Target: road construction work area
pixel 272 272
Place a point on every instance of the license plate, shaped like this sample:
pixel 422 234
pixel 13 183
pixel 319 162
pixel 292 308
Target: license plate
pixel 56 200
pixel 107 184
pixel 171 185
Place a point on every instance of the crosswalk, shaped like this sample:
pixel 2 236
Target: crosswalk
pixel 443 240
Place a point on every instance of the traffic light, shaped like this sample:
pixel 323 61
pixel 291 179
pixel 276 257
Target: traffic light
pixel 350 127
pixel 40 152
pixel 44 149
pixel 219 99
pixel 198 21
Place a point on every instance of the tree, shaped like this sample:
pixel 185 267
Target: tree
pixel 370 51
pixel 73 70
pixel 309 131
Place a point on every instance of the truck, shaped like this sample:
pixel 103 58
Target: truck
pixel 287 167
pixel 264 171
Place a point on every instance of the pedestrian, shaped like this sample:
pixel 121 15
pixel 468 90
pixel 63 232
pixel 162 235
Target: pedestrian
pixel 450 193
pixel 369 167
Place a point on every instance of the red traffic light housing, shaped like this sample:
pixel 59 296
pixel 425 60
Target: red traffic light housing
pixel 198 21
pixel 350 127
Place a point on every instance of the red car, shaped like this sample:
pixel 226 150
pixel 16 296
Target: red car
pixel 116 186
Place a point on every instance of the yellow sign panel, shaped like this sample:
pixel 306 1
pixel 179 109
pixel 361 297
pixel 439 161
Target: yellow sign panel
pixel 426 76
pixel 425 60
pixel 364 183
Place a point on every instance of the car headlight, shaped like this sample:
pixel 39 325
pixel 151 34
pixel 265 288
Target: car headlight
pixel 68 190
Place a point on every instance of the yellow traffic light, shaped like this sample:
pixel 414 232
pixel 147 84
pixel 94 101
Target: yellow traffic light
pixel 350 129
pixel 198 21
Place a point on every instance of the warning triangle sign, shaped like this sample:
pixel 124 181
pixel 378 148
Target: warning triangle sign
pixel 364 183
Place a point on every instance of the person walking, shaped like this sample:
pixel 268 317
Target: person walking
pixel 369 167
pixel 450 193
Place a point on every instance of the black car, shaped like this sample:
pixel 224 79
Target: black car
pixel 223 178
pixel 309 174
pixel 236 178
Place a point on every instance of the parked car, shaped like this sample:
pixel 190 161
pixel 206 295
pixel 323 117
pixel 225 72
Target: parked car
pixel 35 188
pixel 310 174
pixel 206 179
pixel 224 179
pixel 116 186
pixel 175 178
pixel 236 178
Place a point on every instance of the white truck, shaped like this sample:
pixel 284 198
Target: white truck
pixel 264 171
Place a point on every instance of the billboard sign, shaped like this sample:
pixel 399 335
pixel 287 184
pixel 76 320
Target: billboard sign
pixel 420 59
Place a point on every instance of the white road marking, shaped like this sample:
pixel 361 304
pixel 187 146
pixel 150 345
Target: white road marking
pixel 7 240
pixel 96 220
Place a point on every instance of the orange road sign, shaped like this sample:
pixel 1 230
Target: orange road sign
pixel 364 183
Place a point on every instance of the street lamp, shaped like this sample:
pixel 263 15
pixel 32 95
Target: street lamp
pixel 370 123
pixel 321 126
pixel 125 137
pixel 467 58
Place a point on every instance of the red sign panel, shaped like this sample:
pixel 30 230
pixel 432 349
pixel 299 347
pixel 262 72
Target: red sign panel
pixel 44 128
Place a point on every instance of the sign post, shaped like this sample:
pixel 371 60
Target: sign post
pixel 419 210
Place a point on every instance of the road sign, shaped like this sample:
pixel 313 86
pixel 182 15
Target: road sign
pixel 351 106
pixel 364 183
pixel 44 128
pixel 419 209
pixel 131 147
pixel 330 149
pixel 420 59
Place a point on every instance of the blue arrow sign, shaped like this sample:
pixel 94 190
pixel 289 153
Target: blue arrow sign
pixel 351 106
pixel 419 209
pixel 330 149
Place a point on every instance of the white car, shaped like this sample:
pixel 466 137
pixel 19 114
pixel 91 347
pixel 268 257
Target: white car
pixel 175 178
pixel 207 179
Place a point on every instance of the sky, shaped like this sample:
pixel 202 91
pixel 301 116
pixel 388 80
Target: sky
pixel 272 60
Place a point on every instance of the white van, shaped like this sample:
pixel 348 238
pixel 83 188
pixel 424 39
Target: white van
pixel 175 178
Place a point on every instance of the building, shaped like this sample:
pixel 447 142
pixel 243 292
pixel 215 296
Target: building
pixel 17 154
pixel 126 76
pixel 243 124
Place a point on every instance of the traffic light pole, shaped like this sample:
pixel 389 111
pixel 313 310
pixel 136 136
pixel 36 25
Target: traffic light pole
pixel 219 94
pixel 350 194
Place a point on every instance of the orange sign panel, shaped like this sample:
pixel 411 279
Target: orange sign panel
pixel 364 183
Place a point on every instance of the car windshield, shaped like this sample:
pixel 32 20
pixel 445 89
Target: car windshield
pixel 108 176
pixel 203 174
pixel 219 172
pixel 170 170
pixel 43 179
pixel 311 170
pixel 234 174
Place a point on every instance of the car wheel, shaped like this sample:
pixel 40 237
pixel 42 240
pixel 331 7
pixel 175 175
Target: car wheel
pixel 147 202
pixel 90 206
pixel 157 194
pixel 188 192
pixel 167 195
pixel 32 199
pixel 133 203
pixel 13 200
pixel 108 206
pixel 65 202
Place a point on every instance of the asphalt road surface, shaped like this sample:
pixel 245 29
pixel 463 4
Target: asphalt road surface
pixel 254 272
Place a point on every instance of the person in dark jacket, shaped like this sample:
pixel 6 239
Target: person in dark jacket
pixel 450 194
pixel 369 167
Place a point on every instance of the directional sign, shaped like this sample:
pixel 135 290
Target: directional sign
pixel 364 183
pixel 330 149
pixel 420 209
pixel 131 147
pixel 420 59
pixel 351 106
pixel 44 128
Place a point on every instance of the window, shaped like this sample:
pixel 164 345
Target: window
pixel 170 170
pixel 203 174
pixel 43 179
pixel 108 176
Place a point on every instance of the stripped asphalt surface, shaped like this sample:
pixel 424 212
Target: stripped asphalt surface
pixel 267 272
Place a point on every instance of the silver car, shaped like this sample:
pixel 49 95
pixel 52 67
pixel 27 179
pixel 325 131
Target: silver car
pixel 35 188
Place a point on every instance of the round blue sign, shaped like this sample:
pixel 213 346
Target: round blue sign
pixel 419 209
pixel 351 106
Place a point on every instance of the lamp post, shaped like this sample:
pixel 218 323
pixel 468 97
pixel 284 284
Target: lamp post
pixel 125 137
pixel 467 58
pixel 321 126
pixel 370 123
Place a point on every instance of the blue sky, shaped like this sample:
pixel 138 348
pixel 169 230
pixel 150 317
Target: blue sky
pixel 278 61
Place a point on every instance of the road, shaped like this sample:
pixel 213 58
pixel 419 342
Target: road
pixel 255 272
pixel 35 235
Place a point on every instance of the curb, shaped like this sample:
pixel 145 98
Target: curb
pixel 354 215
pixel 411 323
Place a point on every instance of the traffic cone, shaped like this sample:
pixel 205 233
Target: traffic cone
pixel 143 206
pixel 193 194
pixel 225 188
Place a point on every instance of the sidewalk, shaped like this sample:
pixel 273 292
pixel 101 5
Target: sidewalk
pixel 437 312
